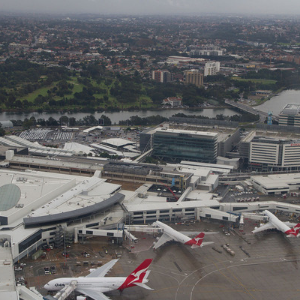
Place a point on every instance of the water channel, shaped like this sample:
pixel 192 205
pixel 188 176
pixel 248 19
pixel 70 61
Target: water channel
pixel 122 115
pixel 276 103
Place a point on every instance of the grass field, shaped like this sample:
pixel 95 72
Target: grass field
pixel 263 81
pixel 144 101
pixel 42 91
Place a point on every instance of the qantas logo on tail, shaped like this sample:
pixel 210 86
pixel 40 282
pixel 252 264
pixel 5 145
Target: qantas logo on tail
pixel 294 231
pixel 197 241
pixel 137 275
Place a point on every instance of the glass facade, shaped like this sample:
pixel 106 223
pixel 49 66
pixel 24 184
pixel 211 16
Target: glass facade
pixel 185 146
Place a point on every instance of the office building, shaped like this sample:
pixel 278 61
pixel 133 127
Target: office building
pixel 290 115
pixel 270 151
pixel 176 144
pixel 193 77
pixel 194 143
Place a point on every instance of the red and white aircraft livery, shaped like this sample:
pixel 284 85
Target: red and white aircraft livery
pixel 170 234
pixel 275 223
pixel 95 284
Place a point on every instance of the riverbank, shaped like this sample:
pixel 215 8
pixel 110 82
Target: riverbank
pixel 88 111
pixel 210 112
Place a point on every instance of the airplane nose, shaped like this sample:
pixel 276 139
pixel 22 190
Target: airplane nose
pixel 46 286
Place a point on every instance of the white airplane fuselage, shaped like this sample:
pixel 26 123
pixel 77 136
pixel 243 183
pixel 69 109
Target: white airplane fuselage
pixel 103 284
pixel 177 236
pixel 276 222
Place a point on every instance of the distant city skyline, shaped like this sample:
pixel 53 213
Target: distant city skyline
pixel 140 7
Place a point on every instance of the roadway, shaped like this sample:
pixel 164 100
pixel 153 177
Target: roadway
pixel 262 115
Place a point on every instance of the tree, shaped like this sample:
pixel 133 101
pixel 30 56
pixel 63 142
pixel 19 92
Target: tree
pixel 2 131
pixel 51 122
pixel 27 124
pixel 106 120
pixel 72 121
pixel 64 120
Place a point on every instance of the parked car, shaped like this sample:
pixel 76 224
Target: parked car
pixel 65 254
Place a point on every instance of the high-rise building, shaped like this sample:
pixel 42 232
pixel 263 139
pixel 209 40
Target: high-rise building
pixel 194 77
pixel 161 76
pixel 176 144
pixel 211 68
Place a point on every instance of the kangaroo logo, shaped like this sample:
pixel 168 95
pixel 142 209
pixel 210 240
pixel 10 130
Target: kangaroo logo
pixel 198 240
pixel 137 275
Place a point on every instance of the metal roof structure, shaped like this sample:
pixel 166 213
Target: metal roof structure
pixel 74 214
pixel 117 142
pixel 10 195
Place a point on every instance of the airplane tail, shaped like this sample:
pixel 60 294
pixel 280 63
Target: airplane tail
pixel 138 276
pixel 293 232
pixel 297 228
pixel 196 241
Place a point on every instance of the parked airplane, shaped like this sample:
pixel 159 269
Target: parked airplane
pixel 275 223
pixel 170 234
pixel 95 284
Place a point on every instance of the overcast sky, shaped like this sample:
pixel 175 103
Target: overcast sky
pixel 153 6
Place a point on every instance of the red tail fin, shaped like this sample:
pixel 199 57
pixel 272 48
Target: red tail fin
pixel 196 241
pixel 137 275
pixel 294 231
pixel 297 228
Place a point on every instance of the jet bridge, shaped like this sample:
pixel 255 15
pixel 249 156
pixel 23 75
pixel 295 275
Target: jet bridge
pixel 256 206
pixel 97 232
pixel 66 291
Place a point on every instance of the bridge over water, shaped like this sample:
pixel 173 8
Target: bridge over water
pixel 262 115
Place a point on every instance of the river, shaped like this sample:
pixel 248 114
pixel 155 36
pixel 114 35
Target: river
pixel 122 115
pixel 276 103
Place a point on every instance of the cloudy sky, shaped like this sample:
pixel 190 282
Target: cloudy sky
pixel 153 6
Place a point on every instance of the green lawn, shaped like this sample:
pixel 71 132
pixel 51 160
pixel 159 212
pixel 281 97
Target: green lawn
pixel 143 101
pixel 263 81
pixel 42 91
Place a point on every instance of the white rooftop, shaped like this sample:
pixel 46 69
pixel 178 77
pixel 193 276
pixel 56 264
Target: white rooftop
pixel 153 202
pixel 277 180
pixel 114 151
pixel 78 148
pixel 291 109
pixel 193 132
pixel 7 276
pixel 92 128
pixel 117 142
pixel 34 188
pixel 90 191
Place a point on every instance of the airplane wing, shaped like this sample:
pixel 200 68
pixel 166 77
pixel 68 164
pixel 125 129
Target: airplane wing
pixel 264 227
pixel 194 233
pixel 102 271
pixel 96 295
pixel 206 243
pixel 162 240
